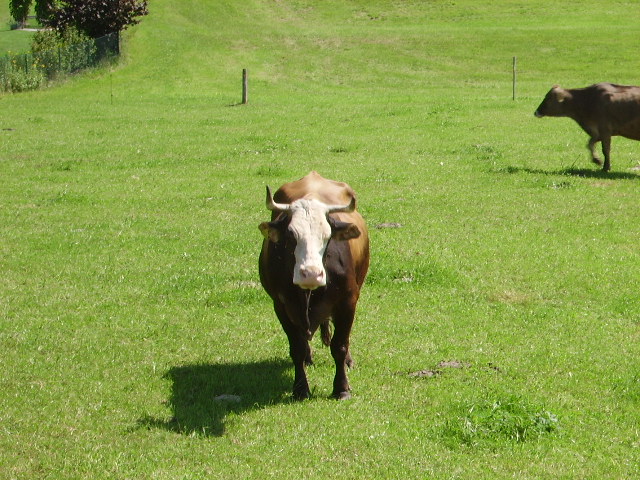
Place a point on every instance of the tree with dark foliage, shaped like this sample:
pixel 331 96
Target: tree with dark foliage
pixel 95 18
pixel 19 10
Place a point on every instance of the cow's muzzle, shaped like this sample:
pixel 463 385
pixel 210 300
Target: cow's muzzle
pixel 538 114
pixel 310 278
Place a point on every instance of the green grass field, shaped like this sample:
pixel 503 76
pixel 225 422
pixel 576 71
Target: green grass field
pixel 15 41
pixel 497 333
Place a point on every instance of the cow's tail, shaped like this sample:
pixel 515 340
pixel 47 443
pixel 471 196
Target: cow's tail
pixel 325 333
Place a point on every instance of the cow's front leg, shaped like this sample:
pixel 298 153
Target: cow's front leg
pixel 299 351
pixel 606 150
pixel 301 389
pixel 592 149
pixel 343 320
pixel 300 355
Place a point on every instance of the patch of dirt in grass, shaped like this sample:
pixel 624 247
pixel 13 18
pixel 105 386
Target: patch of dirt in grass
pixel 438 369
pixel 602 184
pixel 441 367
pixel 425 373
pixel 388 225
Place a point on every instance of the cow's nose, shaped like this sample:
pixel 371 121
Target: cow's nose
pixel 311 277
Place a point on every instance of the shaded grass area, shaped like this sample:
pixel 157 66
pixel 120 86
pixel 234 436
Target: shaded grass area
pixel 203 395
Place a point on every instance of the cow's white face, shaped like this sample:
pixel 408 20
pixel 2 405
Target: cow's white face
pixel 311 228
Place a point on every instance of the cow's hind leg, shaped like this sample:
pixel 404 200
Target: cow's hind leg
pixel 343 320
pixel 592 149
pixel 606 150
pixel 300 353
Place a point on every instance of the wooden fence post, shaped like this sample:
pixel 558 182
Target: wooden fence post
pixel 245 87
pixel 515 64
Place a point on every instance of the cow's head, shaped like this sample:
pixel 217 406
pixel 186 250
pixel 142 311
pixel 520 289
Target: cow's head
pixel 305 224
pixel 553 103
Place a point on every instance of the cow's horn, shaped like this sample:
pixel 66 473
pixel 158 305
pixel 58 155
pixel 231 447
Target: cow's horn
pixel 343 208
pixel 272 205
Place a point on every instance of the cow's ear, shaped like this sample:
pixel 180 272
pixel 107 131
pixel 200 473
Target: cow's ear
pixel 343 230
pixel 560 93
pixel 270 231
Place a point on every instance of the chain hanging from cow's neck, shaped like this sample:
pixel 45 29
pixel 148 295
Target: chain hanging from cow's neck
pixel 307 323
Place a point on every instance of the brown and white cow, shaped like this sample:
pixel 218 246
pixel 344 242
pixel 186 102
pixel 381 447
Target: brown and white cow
pixel 602 110
pixel 314 259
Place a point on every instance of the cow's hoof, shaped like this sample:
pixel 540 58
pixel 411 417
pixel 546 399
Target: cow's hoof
pixel 596 160
pixel 300 396
pixel 301 392
pixel 342 395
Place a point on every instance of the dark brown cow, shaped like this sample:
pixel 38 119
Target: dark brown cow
pixel 313 262
pixel 602 110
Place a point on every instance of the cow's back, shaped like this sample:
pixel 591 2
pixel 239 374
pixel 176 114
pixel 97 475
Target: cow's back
pixel 315 186
pixel 618 109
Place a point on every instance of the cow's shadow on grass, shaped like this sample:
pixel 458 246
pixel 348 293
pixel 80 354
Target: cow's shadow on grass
pixel 203 395
pixel 587 173
pixel 576 172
